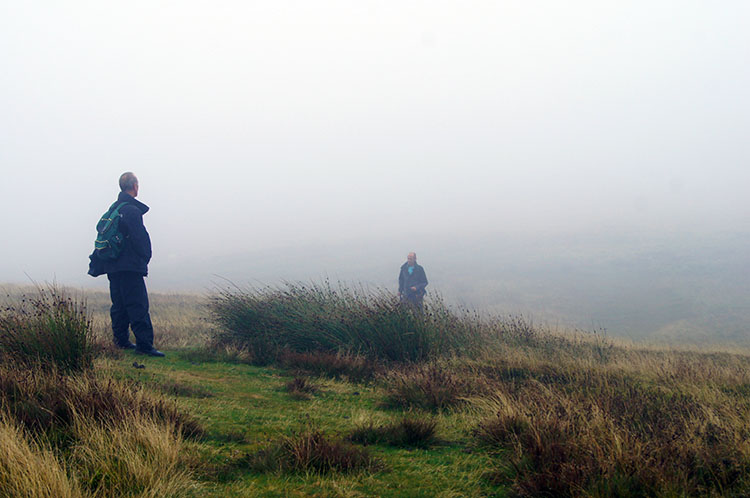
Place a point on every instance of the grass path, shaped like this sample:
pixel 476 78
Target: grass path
pixel 244 407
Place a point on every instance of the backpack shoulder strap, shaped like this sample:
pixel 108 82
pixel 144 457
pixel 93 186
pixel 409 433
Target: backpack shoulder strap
pixel 117 209
pixel 112 213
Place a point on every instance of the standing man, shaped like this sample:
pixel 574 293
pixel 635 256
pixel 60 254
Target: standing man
pixel 411 282
pixel 127 271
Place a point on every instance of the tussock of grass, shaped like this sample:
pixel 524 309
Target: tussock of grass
pixel 305 318
pixel 312 451
pixel 412 430
pixel 48 330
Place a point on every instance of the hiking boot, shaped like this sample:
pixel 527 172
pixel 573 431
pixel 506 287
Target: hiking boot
pixel 150 352
pixel 127 345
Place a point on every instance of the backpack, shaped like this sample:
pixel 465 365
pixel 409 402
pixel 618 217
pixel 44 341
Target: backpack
pixel 109 239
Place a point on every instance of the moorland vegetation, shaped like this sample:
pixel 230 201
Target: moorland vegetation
pixel 311 389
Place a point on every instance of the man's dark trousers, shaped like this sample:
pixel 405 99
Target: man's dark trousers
pixel 130 309
pixel 415 300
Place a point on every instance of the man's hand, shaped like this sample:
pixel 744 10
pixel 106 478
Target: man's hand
pixel 414 289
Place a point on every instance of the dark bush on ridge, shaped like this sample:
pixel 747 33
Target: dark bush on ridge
pixel 304 318
pixel 49 330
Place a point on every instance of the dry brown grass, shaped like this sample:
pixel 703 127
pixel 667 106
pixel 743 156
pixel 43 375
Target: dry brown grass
pixel 82 436
pixel 29 469
pixel 45 401
pixel 136 457
pixel 71 431
pixel 633 422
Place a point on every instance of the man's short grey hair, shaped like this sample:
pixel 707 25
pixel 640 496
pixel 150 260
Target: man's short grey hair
pixel 128 181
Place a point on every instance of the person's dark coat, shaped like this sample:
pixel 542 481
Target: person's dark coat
pixel 417 279
pixel 136 252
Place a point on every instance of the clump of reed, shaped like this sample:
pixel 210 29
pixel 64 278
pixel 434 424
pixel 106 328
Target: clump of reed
pixel 319 318
pixel 47 330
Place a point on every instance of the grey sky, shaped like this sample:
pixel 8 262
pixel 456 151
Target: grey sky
pixel 255 125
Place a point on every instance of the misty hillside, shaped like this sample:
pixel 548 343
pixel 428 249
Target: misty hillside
pixel 676 287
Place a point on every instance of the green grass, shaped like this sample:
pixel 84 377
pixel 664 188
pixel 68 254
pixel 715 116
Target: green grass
pixel 249 408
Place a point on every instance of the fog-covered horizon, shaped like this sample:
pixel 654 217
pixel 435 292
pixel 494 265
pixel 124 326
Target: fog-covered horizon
pixel 296 132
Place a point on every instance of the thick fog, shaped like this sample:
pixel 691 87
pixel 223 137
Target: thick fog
pixel 578 161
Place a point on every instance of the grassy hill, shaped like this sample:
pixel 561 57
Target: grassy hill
pixel 511 409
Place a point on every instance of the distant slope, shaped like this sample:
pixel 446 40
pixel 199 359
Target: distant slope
pixel 682 287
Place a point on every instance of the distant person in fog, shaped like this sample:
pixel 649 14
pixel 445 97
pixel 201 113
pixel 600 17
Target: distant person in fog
pixel 412 282
pixel 126 271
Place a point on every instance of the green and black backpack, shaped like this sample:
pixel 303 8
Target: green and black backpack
pixel 109 239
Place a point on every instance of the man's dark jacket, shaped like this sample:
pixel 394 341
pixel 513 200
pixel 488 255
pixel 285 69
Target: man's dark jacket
pixel 417 279
pixel 136 252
